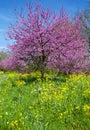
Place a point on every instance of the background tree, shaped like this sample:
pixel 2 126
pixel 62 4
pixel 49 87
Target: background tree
pixel 3 55
pixel 85 18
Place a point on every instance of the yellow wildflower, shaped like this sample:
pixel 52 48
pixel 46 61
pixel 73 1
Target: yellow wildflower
pixel 86 107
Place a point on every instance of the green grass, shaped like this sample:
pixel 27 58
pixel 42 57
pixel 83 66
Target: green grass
pixel 58 103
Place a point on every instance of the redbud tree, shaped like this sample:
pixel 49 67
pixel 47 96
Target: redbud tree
pixel 33 36
pixel 10 63
pixel 70 55
pixel 44 39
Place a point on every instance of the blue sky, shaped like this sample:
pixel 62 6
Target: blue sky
pixel 7 15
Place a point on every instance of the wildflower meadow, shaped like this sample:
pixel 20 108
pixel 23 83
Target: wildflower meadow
pixel 27 103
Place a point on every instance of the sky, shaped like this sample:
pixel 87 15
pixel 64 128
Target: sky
pixel 7 14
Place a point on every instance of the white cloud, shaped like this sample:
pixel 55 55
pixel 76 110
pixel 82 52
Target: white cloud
pixel 2 30
pixel 2 47
pixel 6 18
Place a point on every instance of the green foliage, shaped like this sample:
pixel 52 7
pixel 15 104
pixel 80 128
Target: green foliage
pixel 60 103
pixel 3 55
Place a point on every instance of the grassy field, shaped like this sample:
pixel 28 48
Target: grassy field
pixel 59 103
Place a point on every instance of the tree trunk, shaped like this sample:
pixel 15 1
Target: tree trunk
pixel 42 74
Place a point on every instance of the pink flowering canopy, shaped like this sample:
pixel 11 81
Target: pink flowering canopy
pixel 11 63
pixel 71 49
pixel 44 39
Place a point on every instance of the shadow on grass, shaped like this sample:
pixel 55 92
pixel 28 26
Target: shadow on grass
pixel 34 78
pixel 60 78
